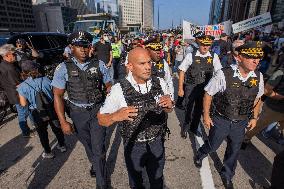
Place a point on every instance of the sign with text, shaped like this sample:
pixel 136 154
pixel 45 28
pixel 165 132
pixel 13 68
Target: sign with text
pixel 190 29
pixel 252 23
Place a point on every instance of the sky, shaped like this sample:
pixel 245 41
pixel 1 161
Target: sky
pixel 195 11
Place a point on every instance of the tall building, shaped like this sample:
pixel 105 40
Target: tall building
pixel 84 6
pixel 53 17
pixel 136 14
pixel 277 12
pixel 238 10
pixel 215 15
pixel 16 16
pixel 109 7
pixel 66 3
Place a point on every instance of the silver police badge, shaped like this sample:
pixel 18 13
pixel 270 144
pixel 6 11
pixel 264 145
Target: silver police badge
pixel 93 70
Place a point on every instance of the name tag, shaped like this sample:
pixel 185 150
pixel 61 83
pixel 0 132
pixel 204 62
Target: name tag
pixel 74 73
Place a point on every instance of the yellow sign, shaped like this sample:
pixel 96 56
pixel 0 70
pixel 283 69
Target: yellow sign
pixel 209 60
pixel 160 65
pixel 253 82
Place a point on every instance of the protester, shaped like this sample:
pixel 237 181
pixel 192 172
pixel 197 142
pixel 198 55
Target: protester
pixel 33 84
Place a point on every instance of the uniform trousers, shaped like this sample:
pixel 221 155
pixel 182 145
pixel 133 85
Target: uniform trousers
pixel 92 136
pixel 234 132
pixel 149 155
pixel 194 105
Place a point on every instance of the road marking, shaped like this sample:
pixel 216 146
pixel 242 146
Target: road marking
pixel 205 171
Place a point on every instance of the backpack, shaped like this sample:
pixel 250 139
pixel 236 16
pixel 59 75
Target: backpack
pixel 44 110
pixel 216 48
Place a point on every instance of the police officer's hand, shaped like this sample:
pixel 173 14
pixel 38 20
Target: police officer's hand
pixel 207 121
pixel 252 124
pixel 181 92
pixel 125 114
pixel 67 128
pixel 166 102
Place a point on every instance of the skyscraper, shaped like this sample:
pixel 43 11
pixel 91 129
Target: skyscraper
pixel 84 6
pixel 136 13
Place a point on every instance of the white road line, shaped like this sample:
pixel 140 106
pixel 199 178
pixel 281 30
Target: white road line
pixel 205 171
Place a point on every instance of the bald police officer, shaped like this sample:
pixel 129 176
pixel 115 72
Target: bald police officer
pixel 139 103
pixel 195 71
pixel 237 90
pixel 83 80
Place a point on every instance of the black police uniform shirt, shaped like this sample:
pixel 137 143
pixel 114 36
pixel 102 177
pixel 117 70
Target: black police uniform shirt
pixel 115 99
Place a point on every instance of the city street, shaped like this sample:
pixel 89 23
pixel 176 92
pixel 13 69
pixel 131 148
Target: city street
pixel 21 165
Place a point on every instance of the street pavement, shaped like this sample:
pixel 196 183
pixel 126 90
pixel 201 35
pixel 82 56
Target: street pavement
pixel 21 165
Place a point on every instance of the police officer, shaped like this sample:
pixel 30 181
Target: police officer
pixel 139 103
pixel 195 71
pixel 83 81
pixel 237 90
pixel 160 67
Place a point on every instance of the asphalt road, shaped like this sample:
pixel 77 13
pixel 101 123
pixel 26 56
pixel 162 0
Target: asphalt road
pixel 21 165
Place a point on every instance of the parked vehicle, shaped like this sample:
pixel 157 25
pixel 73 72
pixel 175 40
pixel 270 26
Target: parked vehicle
pixel 49 45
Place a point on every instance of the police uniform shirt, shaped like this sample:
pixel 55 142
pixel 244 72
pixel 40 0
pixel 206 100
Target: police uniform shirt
pixel 188 61
pixel 61 77
pixel 218 82
pixel 168 77
pixel 115 99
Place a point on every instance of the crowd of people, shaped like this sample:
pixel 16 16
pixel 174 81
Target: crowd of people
pixel 233 86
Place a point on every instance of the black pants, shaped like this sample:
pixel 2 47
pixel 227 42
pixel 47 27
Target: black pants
pixel 234 133
pixel 194 106
pixel 41 128
pixel 92 136
pixel 277 181
pixel 116 66
pixel 145 155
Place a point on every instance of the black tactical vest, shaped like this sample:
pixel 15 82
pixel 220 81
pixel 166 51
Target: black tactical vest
pixel 201 69
pixel 237 101
pixel 158 69
pixel 85 87
pixel 151 120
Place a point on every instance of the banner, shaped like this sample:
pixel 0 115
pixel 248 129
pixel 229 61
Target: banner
pixel 190 29
pixel 252 22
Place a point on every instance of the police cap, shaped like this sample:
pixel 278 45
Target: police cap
pixel 80 38
pixel 252 49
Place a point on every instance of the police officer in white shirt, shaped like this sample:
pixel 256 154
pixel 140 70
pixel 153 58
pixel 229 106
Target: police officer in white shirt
pixel 139 103
pixel 237 90
pixel 160 67
pixel 195 71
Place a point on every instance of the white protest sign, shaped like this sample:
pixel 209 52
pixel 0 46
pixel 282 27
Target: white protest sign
pixel 252 22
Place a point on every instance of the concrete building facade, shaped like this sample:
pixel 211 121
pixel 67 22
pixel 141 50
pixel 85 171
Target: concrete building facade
pixel 16 16
pixel 136 14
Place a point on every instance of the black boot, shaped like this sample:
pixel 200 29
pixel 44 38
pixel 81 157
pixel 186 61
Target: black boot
pixel 92 172
pixel 198 160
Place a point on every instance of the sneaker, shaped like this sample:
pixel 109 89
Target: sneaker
pixel 61 148
pixel 48 155
pixel 30 135
pixel 266 134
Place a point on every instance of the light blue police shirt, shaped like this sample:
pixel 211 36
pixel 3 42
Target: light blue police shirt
pixel 61 77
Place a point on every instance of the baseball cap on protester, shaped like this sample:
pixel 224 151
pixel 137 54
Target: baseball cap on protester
pixel 29 65
pixel 80 38
pixel 251 49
